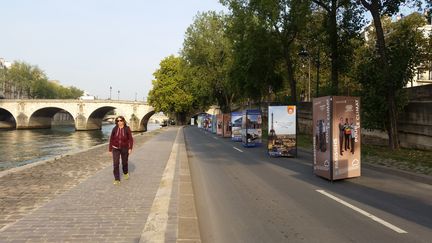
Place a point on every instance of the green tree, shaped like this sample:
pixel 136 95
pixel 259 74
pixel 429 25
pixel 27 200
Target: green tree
pixel 171 91
pixel 382 58
pixel 24 76
pixel 30 81
pixel 208 53
pixel 3 79
pixel 343 22
pixel 403 45
pixel 42 89
pixel 265 34
pixel 72 93
pixel 256 55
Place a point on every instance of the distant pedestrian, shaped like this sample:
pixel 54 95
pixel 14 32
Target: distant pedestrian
pixel 120 145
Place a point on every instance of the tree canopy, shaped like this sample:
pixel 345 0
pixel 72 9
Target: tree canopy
pixel 30 81
pixel 208 53
pixel 171 91
pixel 384 56
pixel 258 51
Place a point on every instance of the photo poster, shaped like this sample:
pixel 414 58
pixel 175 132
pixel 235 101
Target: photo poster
pixel 251 128
pixel 282 131
pixel 219 125
pixel 227 125
pixel 346 137
pixel 208 122
pixel 214 124
pixel 321 136
pixel 236 121
pixel 192 121
pixel 200 121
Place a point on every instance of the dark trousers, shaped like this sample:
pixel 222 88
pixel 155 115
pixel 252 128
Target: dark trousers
pixel 124 153
pixel 347 142
pixel 352 144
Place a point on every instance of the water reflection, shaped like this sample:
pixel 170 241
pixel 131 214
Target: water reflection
pixel 20 147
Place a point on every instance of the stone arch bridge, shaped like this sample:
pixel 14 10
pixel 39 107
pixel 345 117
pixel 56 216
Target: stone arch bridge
pixel 87 114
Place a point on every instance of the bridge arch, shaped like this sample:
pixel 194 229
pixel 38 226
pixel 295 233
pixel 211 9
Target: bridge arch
pixel 94 121
pixel 145 119
pixel 87 114
pixel 42 118
pixel 7 119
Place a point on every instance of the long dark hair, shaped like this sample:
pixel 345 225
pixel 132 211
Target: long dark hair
pixel 122 118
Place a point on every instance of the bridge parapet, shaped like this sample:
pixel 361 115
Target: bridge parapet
pixel 87 114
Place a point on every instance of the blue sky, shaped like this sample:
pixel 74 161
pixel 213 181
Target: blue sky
pixel 283 123
pixel 95 44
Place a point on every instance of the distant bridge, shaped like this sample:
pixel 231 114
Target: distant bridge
pixel 87 114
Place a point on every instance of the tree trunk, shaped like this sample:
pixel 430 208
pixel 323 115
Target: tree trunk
pixel 229 99
pixel 181 118
pixel 391 123
pixel 334 49
pixel 291 79
pixel 333 41
pixel 392 129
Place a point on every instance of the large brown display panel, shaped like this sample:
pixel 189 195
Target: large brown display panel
pixel 321 136
pixel 346 137
pixel 224 125
pixel 219 124
pixel 336 138
pixel 227 126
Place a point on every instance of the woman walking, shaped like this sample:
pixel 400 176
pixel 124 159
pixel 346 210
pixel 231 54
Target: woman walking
pixel 120 145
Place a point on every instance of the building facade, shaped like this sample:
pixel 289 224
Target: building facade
pixel 423 73
pixel 7 90
pixel 424 70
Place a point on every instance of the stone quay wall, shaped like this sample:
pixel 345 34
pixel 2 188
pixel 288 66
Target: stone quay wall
pixel 415 126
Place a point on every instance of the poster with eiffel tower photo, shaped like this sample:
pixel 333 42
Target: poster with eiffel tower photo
pixel 282 131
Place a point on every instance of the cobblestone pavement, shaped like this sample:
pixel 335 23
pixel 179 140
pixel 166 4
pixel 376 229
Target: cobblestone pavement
pixel 74 199
pixel 24 191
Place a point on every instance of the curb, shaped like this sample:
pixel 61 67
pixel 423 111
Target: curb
pixel 156 228
pixel 188 225
pixel 406 174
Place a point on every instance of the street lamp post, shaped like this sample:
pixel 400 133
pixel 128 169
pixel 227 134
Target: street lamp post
pixel 303 53
pixel 110 91
pixel 317 73
pixel 309 76
pixel 118 95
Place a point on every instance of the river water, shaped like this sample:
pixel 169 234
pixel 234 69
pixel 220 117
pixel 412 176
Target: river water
pixel 20 147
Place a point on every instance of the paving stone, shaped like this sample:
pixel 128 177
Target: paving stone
pixel 72 199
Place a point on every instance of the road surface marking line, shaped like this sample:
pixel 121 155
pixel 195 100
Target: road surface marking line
pixel 371 216
pixel 214 137
pixel 238 149
pixel 157 220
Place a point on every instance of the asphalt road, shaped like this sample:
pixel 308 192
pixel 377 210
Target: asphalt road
pixel 242 195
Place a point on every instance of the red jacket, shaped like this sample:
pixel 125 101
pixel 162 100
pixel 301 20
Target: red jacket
pixel 120 138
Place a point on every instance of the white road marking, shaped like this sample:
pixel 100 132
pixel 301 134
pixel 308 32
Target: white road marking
pixel 215 137
pixel 374 218
pixel 157 220
pixel 238 149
